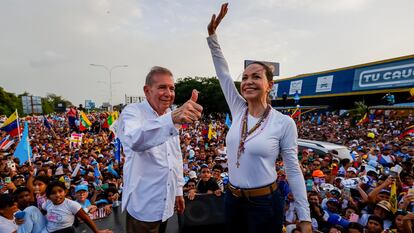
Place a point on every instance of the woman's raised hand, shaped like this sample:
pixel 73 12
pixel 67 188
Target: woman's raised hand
pixel 215 21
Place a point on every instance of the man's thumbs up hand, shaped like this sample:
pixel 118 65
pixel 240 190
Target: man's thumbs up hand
pixel 194 95
pixel 189 112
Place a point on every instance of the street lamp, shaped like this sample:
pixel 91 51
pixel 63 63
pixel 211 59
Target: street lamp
pixel 110 78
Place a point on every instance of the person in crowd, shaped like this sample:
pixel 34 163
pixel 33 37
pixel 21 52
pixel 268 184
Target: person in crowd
pixel 355 227
pixel 375 225
pixel 61 212
pixel 207 184
pixel 251 160
pixel 217 171
pixel 153 169
pixel 81 193
pixel 7 210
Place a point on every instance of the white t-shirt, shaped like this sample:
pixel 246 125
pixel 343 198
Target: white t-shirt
pixel 60 216
pixel 7 225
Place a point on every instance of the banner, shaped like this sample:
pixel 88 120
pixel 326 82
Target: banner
pixel 324 84
pixel 75 140
pixel 398 74
pixel 295 86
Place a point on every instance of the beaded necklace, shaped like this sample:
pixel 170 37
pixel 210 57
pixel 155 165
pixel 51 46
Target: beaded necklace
pixel 245 133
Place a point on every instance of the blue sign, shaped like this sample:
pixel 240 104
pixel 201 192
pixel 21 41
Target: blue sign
pixel 391 75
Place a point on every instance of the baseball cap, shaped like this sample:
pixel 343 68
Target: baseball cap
pixel 102 201
pixel 385 205
pixel 352 169
pixel 318 173
pixel 81 187
pixel 333 200
pixel 387 147
pixel 192 175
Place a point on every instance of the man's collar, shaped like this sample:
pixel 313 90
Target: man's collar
pixel 148 105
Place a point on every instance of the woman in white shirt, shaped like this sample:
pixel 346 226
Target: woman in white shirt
pixel 255 139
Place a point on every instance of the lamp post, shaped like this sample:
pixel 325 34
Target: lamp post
pixel 110 77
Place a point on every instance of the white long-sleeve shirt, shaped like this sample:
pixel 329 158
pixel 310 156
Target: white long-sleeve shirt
pixel 153 169
pixel 277 134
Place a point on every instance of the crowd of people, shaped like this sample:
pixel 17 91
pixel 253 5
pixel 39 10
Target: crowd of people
pixel 372 192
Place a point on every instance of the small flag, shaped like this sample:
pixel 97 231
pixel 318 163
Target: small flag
pixel 211 132
pixel 84 123
pixel 23 150
pixel 228 121
pixel 96 173
pixel 112 171
pixel 320 120
pixel 296 113
pixel 393 197
pixel 409 130
pixel 11 125
pixel 6 142
pixel 46 123
pixel 117 150
pixel 77 168
pixel 363 120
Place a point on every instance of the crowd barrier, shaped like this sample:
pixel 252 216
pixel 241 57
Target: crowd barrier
pixel 203 214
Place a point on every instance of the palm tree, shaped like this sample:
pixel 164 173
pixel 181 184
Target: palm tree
pixel 359 111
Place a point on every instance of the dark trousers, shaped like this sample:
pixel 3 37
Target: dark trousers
pixel 262 214
pixel 136 226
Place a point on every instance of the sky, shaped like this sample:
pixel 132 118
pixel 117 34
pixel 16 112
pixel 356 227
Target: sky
pixel 47 46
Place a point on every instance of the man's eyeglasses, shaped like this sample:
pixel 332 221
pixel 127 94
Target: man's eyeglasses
pixel 205 171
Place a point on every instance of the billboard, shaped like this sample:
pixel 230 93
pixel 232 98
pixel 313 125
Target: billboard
pixel 32 104
pixel 89 104
pixel 275 66
pixel 398 74
pixel 381 76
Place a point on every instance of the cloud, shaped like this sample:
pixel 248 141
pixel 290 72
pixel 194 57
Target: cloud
pixel 47 59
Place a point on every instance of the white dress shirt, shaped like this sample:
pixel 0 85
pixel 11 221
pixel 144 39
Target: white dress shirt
pixel 153 169
pixel 277 134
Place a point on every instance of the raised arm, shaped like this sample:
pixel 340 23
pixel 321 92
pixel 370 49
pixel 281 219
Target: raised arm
pixel 234 99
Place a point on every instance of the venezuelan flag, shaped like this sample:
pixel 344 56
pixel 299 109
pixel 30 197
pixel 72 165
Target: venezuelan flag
pixel 11 125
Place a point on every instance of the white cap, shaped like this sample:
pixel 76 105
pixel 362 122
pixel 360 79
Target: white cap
pixel 192 175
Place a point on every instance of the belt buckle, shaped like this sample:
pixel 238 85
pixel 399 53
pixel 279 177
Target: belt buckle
pixel 235 191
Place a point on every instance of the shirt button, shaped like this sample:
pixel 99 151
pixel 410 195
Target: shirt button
pixel 165 199
pixel 168 154
pixel 171 134
pixel 170 170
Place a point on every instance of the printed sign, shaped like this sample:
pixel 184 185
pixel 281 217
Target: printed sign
pixel 398 74
pixel 75 140
pixel 273 92
pixel 324 84
pixel 295 86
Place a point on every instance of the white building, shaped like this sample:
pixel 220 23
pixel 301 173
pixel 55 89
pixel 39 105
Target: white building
pixel 134 99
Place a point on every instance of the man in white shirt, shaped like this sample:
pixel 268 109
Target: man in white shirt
pixel 7 209
pixel 153 169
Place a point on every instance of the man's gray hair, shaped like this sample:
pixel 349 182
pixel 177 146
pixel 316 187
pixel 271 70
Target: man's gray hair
pixel 156 70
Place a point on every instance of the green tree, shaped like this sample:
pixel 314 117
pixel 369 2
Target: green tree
pixel 210 97
pixel 9 102
pixel 51 101
pixel 359 111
